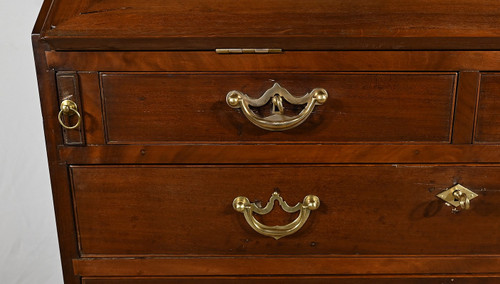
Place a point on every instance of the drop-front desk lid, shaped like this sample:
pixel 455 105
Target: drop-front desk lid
pixel 283 24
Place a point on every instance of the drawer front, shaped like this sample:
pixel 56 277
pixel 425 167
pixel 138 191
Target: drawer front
pixel 298 280
pixel 361 107
pixel 365 210
pixel 488 113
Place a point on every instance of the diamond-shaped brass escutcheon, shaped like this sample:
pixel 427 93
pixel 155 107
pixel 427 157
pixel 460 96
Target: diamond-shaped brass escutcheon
pixel 450 195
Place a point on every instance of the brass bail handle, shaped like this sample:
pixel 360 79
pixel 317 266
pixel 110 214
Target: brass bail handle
pixel 278 121
pixel 243 205
pixel 69 108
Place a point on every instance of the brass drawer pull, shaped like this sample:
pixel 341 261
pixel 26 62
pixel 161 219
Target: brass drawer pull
pixel 277 121
pixel 243 205
pixel 69 108
pixel 458 195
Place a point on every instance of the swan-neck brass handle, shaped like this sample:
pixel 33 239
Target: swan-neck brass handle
pixel 69 108
pixel 277 121
pixel 458 196
pixel 243 205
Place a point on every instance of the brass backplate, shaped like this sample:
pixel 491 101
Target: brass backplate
pixel 448 197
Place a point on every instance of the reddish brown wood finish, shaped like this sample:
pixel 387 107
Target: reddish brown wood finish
pixel 287 154
pixel 132 210
pixel 68 88
pixel 377 107
pixel 452 279
pixel 488 112
pixel 319 37
pixel 58 172
pixel 293 266
pixel 288 61
pixel 287 24
pixel 92 110
pixel 41 19
pixel 463 126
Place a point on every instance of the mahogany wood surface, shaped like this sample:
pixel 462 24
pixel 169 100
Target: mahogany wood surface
pixel 287 61
pixel 452 279
pixel 293 266
pixel 150 108
pixel 92 111
pixel 58 172
pixel 41 19
pixel 283 153
pixel 413 110
pixel 132 210
pixel 68 88
pixel 286 24
pixel 463 126
pixel 488 110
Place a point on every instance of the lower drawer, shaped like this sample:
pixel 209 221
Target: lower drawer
pixel 300 280
pixel 365 210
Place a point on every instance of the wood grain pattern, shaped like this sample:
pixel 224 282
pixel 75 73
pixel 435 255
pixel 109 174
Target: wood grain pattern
pixel 158 210
pixel 291 266
pixel 463 126
pixel 287 24
pixel 287 61
pixel 487 128
pixel 68 88
pixel 58 172
pixel 150 108
pixel 92 107
pixel 42 17
pixel 451 279
pixel 272 154
pixel 134 210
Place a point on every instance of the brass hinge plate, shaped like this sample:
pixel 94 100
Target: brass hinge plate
pixel 248 50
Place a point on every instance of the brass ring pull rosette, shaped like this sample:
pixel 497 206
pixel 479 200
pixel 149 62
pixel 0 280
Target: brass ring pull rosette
pixel 458 196
pixel 243 205
pixel 277 121
pixel 69 108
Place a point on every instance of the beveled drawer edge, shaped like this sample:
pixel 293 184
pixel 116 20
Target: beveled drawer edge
pixel 379 265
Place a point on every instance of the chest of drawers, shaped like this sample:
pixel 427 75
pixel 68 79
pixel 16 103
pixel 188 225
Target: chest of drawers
pixel 173 127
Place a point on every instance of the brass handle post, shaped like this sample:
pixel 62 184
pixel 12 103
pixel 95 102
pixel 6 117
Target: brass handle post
pixel 69 108
pixel 243 205
pixel 277 121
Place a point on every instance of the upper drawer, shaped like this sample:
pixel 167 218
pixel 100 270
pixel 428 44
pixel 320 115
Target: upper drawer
pixel 361 107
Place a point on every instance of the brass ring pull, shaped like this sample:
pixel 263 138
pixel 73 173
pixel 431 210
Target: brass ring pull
pixel 243 205
pixel 458 195
pixel 277 121
pixel 69 108
pixel 462 199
